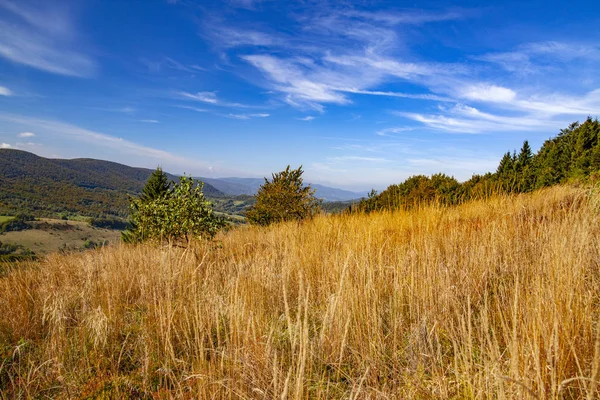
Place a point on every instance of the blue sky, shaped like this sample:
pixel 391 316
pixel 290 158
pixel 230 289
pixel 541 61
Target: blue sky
pixel 362 94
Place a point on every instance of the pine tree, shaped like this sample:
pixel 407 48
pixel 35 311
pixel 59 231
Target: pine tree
pixel 157 186
pixel 525 174
pixel 525 156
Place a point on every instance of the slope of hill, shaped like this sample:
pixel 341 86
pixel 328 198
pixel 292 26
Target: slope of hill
pixel 491 299
pixel 573 155
pixel 249 186
pixel 79 186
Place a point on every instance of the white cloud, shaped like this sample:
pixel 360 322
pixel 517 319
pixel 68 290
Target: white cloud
pixel 4 91
pixel 352 58
pixel 389 131
pixel 206 97
pixel 101 140
pixel 240 37
pixel 42 37
pixel 538 58
pixel 288 77
pixel 211 98
pixel 417 96
pixel 202 110
pixel 307 118
pixel 415 17
pixel 26 134
pixel 246 116
pixel 5 146
pixel 465 119
pixel 176 65
pixel 488 93
pixel 150 121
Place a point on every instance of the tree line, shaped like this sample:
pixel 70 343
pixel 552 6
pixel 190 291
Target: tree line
pixel 574 154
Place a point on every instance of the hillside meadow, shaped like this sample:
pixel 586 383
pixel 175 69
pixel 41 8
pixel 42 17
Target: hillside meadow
pixel 491 299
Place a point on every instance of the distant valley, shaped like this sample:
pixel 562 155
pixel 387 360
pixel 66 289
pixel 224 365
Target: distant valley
pixel 249 186
pixel 97 188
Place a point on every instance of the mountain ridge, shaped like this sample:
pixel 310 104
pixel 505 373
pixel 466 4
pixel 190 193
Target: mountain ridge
pixel 250 186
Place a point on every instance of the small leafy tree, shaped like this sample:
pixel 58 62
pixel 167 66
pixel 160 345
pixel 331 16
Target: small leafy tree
pixel 284 198
pixel 182 214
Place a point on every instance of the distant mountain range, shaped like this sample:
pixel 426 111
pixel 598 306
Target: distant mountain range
pixel 30 183
pixel 250 186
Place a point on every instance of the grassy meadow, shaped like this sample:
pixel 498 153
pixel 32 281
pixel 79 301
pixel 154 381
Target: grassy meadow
pixel 491 299
pixel 49 235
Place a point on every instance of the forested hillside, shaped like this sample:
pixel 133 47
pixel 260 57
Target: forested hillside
pixel 88 187
pixel 574 154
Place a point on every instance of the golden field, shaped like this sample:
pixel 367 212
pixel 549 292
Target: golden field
pixel 492 299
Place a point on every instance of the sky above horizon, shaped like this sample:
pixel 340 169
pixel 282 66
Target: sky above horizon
pixel 363 94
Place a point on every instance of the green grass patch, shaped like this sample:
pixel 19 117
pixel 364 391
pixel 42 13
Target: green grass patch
pixel 5 218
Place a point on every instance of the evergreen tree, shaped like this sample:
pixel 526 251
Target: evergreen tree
pixel 525 156
pixel 525 174
pixel 157 186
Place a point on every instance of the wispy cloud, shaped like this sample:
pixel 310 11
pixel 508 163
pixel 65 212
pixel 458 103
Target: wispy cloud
pixel 97 139
pixel 465 119
pixel 5 146
pixel 414 17
pixel 26 134
pixel 41 36
pixel 538 57
pixel 201 110
pixel 391 131
pixel 150 121
pixel 171 64
pixel 124 110
pixel 229 37
pixel 307 118
pixel 211 98
pixel 356 54
pixel 4 91
pixel 246 116
pixel 415 96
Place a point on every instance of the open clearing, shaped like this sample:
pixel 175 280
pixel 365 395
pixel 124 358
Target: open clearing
pixel 493 299
pixel 50 235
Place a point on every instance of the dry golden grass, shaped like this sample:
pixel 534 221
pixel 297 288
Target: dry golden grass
pixel 493 299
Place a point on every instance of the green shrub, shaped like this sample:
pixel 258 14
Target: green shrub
pixel 180 214
pixel 284 198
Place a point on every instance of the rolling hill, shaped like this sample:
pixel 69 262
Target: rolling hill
pixel 50 187
pixel 80 186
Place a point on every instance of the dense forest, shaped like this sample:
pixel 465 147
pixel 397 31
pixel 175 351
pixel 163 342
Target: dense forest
pixel 573 155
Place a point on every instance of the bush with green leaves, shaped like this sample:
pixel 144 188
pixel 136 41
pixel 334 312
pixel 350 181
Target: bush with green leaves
pixel 179 215
pixel 284 198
